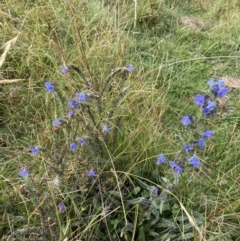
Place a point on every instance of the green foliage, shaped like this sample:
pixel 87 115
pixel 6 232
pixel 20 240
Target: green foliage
pixel 172 63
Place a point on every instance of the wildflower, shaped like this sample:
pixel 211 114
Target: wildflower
pixel 193 160
pixel 62 208
pixel 168 186
pixel 222 92
pixel 57 122
pixel 186 120
pixel 130 68
pixel 201 143
pixel 73 104
pixel 24 172
pixel 187 147
pixel 211 105
pixel 161 159
pixel 175 167
pixel 70 113
pixel 73 146
pixel 49 86
pixel 34 150
pixel 81 141
pixel 91 173
pixel 178 169
pixel 199 100
pixel 64 69
pixel 155 191
pixel 106 129
pixel 172 164
pixel 207 134
pixel 217 88
pixel 82 97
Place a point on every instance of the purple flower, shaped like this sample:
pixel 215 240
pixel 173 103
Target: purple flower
pixel 217 88
pixel 172 164
pixel 199 100
pixel 186 120
pixel 168 186
pixel 106 129
pixel 62 208
pixel 70 113
pixel 178 169
pixel 73 104
pixel 207 134
pixel 193 160
pixel 155 191
pixel 81 141
pixel 57 122
pixel 161 159
pixel 91 173
pixel 211 105
pixel 34 150
pixel 49 86
pixel 222 92
pixel 187 147
pixel 82 97
pixel 130 68
pixel 201 143
pixel 24 172
pixel 64 69
pixel 73 146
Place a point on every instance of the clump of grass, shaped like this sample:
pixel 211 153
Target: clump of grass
pixel 104 173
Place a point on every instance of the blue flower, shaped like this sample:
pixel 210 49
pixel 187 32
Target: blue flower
pixel 91 173
pixel 130 68
pixel 64 69
pixel 193 160
pixel 73 146
pixel 70 113
pixel 106 129
pixel 49 86
pixel 207 134
pixel 161 159
pixel 211 105
pixel 222 92
pixel 57 122
pixel 82 97
pixel 168 186
pixel 62 208
pixel 24 172
pixel 155 191
pixel 172 164
pixel 81 141
pixel 186 120
pixel 188 147
pixel 217 88
pixel 178 169
pixel 73 104
pixel 199 100
pixel 34 150
pixel 201 143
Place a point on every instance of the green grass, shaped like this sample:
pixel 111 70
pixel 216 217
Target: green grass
pixel 172 63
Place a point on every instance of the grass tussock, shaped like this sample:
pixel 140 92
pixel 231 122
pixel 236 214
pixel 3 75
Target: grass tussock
pixel 107 172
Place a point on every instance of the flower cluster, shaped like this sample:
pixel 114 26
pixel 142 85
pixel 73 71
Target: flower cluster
pixel 208 105
pixel 218 89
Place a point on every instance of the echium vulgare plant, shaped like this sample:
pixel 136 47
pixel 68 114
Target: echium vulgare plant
pixel 81 134
pixel 187 160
